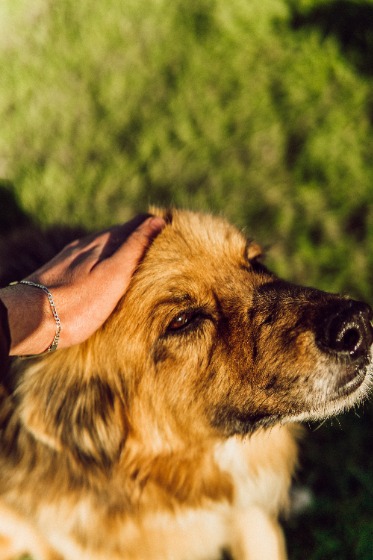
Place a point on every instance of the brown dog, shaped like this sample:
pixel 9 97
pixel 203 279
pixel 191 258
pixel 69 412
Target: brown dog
pixel 170 435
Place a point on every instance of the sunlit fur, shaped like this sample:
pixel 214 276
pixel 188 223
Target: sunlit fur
pixel 154 442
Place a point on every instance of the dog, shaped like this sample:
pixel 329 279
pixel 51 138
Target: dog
pixel 171 434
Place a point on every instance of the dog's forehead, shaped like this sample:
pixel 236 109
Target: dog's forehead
pixel 197 259
pixel 193 236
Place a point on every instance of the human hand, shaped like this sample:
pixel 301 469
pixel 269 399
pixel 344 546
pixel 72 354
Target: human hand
pixel 87 279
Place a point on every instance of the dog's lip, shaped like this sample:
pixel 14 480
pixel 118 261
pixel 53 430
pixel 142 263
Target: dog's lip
pixel 352 381
pixel 354 376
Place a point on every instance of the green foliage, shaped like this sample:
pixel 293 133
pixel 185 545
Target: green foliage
pixel 259 109
pixel 228 107
pixel 339 523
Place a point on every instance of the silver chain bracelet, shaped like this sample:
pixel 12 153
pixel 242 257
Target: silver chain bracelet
pixel 56 338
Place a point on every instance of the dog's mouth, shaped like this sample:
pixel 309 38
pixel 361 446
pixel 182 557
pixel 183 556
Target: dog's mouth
pixel 352 380
pixel 344 385
pixel 351 383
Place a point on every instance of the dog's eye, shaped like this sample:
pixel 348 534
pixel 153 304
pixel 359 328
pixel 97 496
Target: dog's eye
pixel 182 321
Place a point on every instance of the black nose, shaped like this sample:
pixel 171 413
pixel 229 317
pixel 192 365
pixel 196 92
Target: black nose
pixel 344 327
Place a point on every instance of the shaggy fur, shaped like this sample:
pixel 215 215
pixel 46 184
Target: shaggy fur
pixel 170 434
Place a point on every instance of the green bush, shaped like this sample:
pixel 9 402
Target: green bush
pixel 258 109
pixel 213 105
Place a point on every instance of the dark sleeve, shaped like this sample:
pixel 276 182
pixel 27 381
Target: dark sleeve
pixel 4 340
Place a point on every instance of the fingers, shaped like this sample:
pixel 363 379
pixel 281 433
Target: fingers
pixel 135 245
pixel 114 252
pixel 107 242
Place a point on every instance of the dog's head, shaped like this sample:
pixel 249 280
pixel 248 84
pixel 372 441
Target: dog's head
pixel 206 343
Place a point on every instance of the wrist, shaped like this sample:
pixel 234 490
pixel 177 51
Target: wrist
pixel 31 323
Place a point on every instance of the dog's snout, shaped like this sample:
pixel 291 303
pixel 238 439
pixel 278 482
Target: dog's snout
pixel 345 328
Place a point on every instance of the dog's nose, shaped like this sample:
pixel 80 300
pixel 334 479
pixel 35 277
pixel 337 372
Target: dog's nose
pixel 345 328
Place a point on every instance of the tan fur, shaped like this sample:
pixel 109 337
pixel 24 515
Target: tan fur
pixel 152 443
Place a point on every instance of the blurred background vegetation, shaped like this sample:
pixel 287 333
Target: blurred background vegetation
pixel 258 109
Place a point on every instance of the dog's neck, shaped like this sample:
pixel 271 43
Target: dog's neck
pixel 187 476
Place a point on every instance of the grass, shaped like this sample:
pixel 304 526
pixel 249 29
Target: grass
pixel 337 467
pixel 259 109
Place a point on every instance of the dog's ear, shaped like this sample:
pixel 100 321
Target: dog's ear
pixel 165 213
pixel 72 412
pixel 254 251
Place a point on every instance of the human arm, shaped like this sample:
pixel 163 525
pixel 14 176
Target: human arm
pixel 4 337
